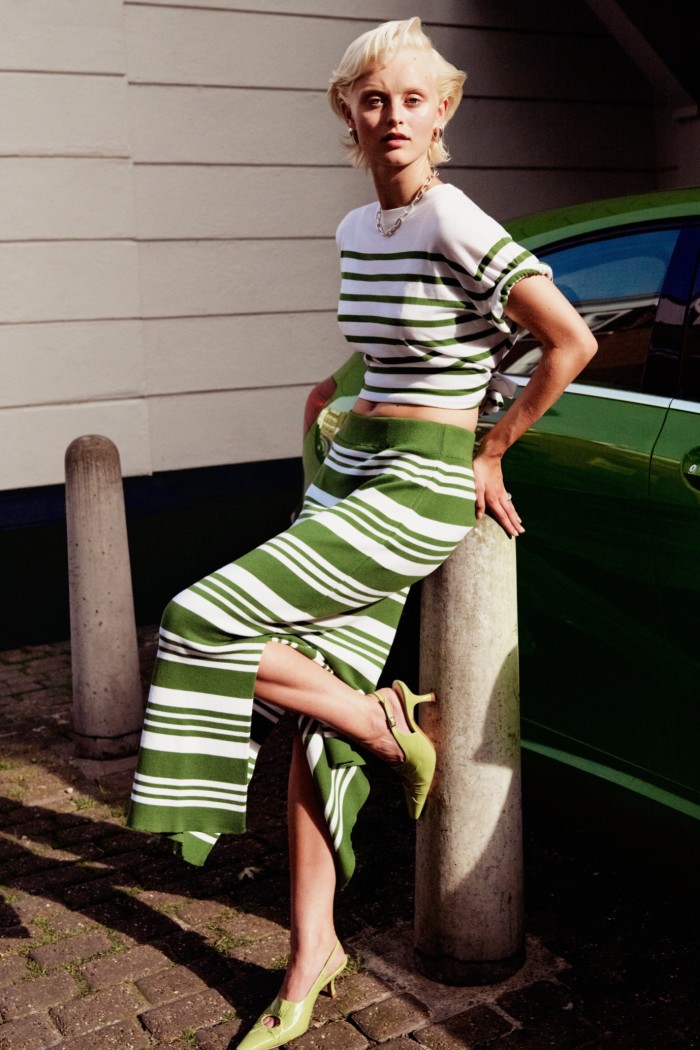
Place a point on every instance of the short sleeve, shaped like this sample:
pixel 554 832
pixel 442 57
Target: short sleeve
pixel 487 261
pixel 500 269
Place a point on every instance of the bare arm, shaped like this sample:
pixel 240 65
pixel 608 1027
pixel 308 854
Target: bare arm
pixel 567 346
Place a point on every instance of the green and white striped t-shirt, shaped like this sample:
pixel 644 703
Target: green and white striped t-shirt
pixel 427 306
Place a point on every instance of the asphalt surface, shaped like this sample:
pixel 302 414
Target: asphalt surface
pixel 107 940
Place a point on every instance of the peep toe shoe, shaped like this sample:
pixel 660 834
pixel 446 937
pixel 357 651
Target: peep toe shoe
pixel 293 1019
pixel 418 768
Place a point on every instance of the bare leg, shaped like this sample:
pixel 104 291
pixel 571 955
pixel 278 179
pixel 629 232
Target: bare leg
pixel 293 681
pixel 312 869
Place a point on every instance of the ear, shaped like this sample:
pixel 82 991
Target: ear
pixel 442 110
pixel 347 113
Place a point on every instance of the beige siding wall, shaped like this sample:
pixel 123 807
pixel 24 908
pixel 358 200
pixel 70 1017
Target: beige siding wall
pixel 678 146
pixel 677 114
pixel 71 357
pixel 171 179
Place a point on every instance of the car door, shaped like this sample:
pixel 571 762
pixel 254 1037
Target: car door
pixel 580 479
pixel 675 506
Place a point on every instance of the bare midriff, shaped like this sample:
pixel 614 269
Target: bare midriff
pixel 456 417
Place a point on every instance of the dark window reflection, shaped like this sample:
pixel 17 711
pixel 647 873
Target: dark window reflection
pixel 690 370
pixel 615 285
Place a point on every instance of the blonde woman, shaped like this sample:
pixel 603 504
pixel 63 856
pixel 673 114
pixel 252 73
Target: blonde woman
pixel 434 292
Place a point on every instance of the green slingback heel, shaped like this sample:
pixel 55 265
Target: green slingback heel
pixel 293 1018
pixel 418 768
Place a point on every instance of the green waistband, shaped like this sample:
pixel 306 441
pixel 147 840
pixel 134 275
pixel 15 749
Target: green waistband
pixel 420 435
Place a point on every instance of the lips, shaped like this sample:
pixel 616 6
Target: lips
pixel 394 136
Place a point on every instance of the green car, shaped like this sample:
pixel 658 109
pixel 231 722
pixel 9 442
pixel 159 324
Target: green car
pixel 608 486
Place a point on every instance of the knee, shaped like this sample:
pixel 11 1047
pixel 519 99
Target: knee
pixel 175 617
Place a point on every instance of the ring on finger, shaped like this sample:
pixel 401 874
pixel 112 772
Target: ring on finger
pixel 508 496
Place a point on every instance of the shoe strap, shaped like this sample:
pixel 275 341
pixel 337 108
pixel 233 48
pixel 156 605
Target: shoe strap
pixel 324 972
pixel 388 713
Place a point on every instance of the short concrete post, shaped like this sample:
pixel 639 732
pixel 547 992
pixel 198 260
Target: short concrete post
pixel 469 868
pixel 107 697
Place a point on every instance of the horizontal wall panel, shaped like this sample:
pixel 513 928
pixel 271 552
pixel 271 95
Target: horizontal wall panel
pixel 182 279
pixel 55 363
pixel 489 133
pixel 34 440
pixel 522 65
pixel 68 281
pixel 185 46
pixel 200 201
pixel 225 202
pixel 238 353
pixel 69 35
pixel 210 126
pixel 63 115
pixel 181 46
pixel 298 128
pixel 198 430
pixel 679 146
pixel 512 13
pixel 509 194
pixel 50 198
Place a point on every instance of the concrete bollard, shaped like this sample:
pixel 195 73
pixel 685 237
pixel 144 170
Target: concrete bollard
pixel 469 865
pixel 107 696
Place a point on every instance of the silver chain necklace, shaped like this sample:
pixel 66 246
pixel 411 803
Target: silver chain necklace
pixel 407 210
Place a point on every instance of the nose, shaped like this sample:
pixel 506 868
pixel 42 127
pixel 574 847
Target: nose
pixel 393 116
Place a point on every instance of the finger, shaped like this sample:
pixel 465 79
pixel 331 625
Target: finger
pixel 502 519
pixel 480 503
pixel 507 516
pixel 513 518
pixel 508 506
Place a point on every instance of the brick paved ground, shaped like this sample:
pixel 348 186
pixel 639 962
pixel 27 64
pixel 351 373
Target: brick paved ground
pixel 107 941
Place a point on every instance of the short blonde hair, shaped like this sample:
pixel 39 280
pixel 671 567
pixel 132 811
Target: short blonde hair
pixel 375 49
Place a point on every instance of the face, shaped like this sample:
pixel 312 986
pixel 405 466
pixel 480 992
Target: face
pixel 395 110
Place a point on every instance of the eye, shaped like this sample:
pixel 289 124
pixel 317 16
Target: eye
pixel 414 100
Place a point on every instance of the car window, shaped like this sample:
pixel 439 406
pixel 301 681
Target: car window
pixel 690 369
pixel 615 284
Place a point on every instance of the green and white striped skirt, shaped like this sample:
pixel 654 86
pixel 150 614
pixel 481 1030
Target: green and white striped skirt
pixel 393 498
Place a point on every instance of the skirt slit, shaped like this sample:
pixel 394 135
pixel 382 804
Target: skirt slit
pixel 391 501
